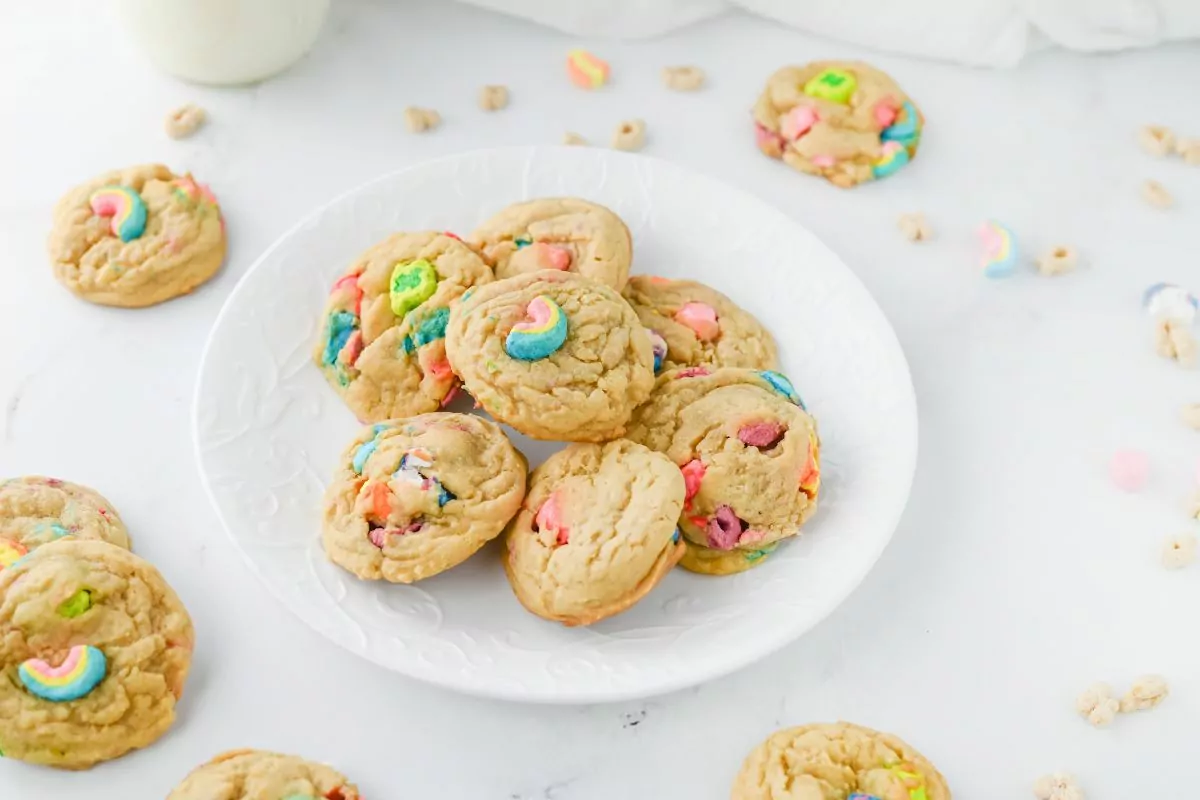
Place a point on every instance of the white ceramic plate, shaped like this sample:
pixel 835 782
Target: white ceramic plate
pixel 268 431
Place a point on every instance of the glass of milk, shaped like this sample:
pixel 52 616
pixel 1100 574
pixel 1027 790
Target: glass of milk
pixel 224 41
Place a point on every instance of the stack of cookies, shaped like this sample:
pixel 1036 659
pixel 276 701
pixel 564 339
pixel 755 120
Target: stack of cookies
pixel 95 645
pixel 687 445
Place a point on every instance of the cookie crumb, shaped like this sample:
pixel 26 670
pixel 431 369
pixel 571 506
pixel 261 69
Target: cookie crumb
pixel 493 98
pixel 1097 705
pixel 1190 414
pixel 683 79
pixel 185 120
pixel 1058 261
pixel 419 120
pixel 573 139
pixel 1157 140
pixel 1146 692
pixel 1057 787
pixel 1156 195
pixel 914 227
pixel 1177 552
pixel 630 135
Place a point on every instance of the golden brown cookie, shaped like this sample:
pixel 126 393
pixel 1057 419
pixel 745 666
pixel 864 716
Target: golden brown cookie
pixel 750 456
pixel 94 648
pixel 262 775
pixel 382 339
pixel 837 761
pixel 691 325
pixel 596 533
pixel 842 120
pixel 563 233
pixel 414 497
pixel 552 354
pixel 35 510
pixel 137 236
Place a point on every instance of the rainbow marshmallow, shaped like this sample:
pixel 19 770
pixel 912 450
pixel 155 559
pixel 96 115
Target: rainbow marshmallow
pixel 126 208
pixel 11 552
pixel 586 70
pixel 79 673
pixel 894 157
pixel 999 250
pixel 543 334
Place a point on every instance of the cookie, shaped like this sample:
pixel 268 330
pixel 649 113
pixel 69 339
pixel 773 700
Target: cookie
pixel 563 233
pixel 552 354
pixel 95 649
pixel 838 761
pixel 381 345
pixel 596 532
pixel 36 510
pixel 414 497
pixel 262 775
pixel 749 454
pixel 844 121
pixel 137 236
pixel 693 325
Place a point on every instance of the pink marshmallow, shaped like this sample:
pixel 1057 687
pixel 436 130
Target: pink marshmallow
pixel 798 122
pixel 1129 470
pixel 551 256
pixel 701 318
pixel 693 473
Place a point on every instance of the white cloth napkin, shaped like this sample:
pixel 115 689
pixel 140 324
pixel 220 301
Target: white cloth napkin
pixel 995 33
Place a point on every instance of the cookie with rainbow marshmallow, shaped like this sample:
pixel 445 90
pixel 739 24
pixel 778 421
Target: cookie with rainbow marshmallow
pixel 263 775
pixel 136 237
pixel 95 649
pixel 553 354
pixel 382 344
pixel 36 510
pixel 414 497
pixel 834 761
pixel 844 121
pixel 596 532
pixel 750 457
pixel 562 233
pixel 694 325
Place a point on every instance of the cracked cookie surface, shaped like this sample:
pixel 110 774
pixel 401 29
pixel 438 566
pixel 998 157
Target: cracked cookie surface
pixel 36 510
pixel 262 775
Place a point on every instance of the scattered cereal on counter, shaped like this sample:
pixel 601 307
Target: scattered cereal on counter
pixel 1058 261
pixel 1057 787
pixel 493 98
pixel 1189 151
pixel 1157 140
pixel 683 79
pixel 1097 705
pixel 1147 692
pixel 914 227
pixel 185 120
pixel 1178 552
pixel 1190 414
pixel 1156 195
pixel 419 120
pixel 630 135
pixel 573 139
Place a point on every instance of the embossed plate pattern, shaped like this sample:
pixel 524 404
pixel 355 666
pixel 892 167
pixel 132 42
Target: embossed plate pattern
pixel 268 430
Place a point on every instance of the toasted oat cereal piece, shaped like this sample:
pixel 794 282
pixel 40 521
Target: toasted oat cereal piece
pixel 1157 140
pixel 573 138
pixel 1194 505
pixel 185 120
pixel 419 120
pixel 1188 150
pixel 683 79
pixel 1190 414
pixel 630 135
pixel 1178 552
pixel 1146 692
pixel 1156 195
pixel 1097 705
pixel 1057 787
pixel 914 227
pixel 493 98
pixel 1058 261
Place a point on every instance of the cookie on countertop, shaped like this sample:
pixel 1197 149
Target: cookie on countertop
pixel 563 233
pixel 414 497
pixel 95 648
pixel 137 236
pixel 596 532
pixel 842 120
pixel 381 344
pixel 837 761
pixel 552 354
pixel 698 326
pixel 750 456
pixel 35 510
pixel 263 775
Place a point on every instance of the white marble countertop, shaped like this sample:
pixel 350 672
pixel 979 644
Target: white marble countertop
pixel 1017 577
